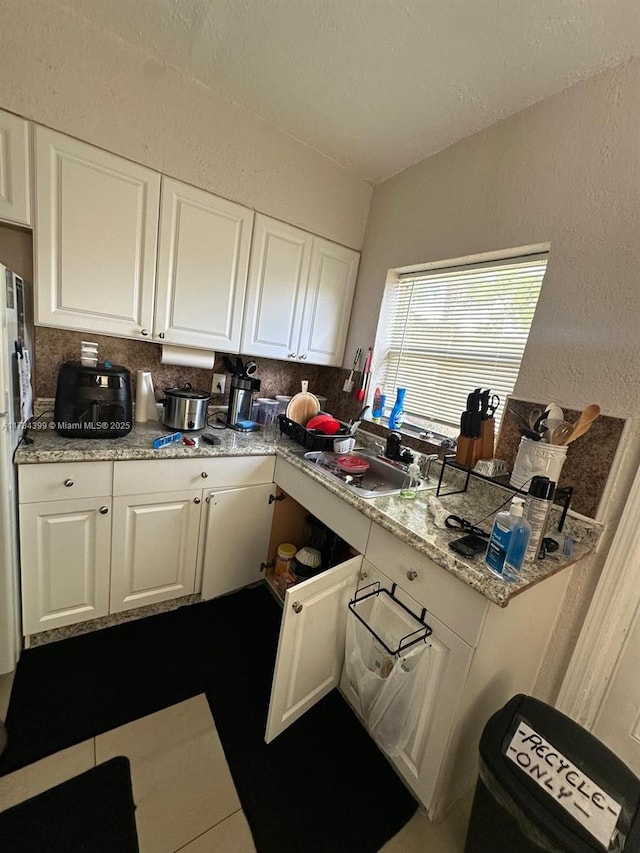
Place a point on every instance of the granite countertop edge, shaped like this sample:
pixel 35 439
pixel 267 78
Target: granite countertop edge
pixel 410 521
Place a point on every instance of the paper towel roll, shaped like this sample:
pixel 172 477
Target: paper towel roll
pixel 146 409
pixel 187 357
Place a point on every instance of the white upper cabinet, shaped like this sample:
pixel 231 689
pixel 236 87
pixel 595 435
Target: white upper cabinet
pixel 95 238
pixel 14 170
pixel 203 259
pixel 327 307
pixel 299 295
pixel 280 258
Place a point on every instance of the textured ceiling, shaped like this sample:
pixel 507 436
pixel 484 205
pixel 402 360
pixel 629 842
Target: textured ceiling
pixel 377 85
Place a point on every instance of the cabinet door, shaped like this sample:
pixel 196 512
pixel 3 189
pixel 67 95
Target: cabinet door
pixel 311 645
pixel 449 658
pixel 278 274
pixel 65 556
pixel 95 238
pixel 154 548
pixel 235 538
pixel 327 308
pixel 203 258
pixel 15 191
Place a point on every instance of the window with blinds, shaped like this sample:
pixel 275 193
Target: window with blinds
pixel 444 332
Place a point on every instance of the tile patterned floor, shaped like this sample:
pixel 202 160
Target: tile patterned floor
pixel 184 793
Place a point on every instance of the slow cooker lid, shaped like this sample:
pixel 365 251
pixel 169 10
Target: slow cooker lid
pixel 187 393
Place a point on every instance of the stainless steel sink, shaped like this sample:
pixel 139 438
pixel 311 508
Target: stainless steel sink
pixel 382 479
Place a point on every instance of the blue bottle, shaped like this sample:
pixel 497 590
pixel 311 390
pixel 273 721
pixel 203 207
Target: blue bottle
pixel 508 542
pixel 397 413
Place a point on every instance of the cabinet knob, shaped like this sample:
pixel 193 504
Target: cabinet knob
pixel 145 332
pixel 412 575
pixel 302 357
pixel 363 575
pixel 196 500
pixel 292 355
pixel 68 483
pixel 297 607
pixel 104 510
pixel 161 336
pixel 204 475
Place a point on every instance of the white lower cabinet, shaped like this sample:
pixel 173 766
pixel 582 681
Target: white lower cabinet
pixel 231 557
pixel 80 560
pixel 311 645
pixel 480 655
pixel 65 555
pixel 155 546
pixel 449 657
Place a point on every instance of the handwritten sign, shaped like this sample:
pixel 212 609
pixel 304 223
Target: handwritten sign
pixel 578 795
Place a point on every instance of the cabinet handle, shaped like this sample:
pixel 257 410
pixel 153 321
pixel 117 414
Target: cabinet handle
pixel 297 607
pixel 161 336
pixel 204 475
pixel 104 510
pixel 145 332
pixel 412 575
pixel 196 500
pixel 363 575
pixel 68 483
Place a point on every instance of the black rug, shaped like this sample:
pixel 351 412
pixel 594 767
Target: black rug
pixel 321 786
pixel 92 813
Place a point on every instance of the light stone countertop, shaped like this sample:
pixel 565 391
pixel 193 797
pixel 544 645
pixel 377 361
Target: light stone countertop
pixel 410 520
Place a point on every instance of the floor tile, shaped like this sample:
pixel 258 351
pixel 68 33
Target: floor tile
pixel 181 782
pixel 44 774
pixel 231 835
pixel 420 834
pixel 6 683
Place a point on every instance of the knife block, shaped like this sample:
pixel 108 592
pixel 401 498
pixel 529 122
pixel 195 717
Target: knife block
pixel 468 451
pixel 487 439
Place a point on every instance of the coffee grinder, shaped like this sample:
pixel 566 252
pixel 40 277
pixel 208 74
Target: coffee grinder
pixel 240 400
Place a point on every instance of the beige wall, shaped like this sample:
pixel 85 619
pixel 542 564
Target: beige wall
pixel 566 171
pixel 61 72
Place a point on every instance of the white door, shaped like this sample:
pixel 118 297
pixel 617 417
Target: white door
pixel 235 537
pixel 329 295
pixel 15 190
pixel 65 558
pixel 618 722
pixel 203 259
pixel 447 663
pixel 278 274
pixel 155 544
pixel 95 238
pixel 311 644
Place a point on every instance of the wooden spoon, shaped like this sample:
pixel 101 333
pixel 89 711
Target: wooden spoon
pixel 561 433
pixel 584 422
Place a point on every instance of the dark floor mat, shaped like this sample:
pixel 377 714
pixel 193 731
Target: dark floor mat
pixel 321 786
pixel 92 813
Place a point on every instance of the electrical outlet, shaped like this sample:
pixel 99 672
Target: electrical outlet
pixel 217 383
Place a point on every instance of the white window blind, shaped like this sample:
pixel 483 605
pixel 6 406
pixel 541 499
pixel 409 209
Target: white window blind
pixel 444 332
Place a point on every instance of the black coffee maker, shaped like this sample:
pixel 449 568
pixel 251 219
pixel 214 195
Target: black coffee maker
pixel 93 402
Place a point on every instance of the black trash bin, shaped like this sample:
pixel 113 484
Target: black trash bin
pixel 547 784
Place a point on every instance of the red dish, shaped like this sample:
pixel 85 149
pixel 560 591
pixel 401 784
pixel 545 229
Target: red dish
pixel 325 424
pixel 352 464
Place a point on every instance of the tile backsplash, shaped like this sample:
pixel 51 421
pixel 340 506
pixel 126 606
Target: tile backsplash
pixel 55 346
pixel 586 468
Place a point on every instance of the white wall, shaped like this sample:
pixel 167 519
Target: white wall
pixel 60 71
pixel 566 171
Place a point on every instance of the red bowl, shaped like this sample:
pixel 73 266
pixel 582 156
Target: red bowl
pixel 352 464
pixel 324 424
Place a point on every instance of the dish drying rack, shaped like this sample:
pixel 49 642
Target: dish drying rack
pixel 421 632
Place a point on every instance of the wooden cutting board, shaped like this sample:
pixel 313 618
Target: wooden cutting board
pixel 303 406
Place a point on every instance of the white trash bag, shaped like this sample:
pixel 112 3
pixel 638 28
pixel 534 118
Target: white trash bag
pixel 389 686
